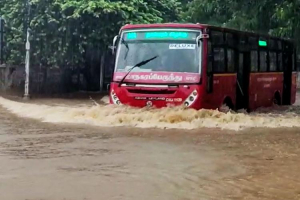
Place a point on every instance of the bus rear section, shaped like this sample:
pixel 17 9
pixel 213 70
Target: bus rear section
pixel 249 70
pixel 158 67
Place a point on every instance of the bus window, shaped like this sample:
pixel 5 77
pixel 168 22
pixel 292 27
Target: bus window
pixel 230 40
pixel 273 44
pixel 219 59
pixel 263 61
pixel 253 43
pixel 241 64
pixel 209 53
pixel 242 39
pixel 217 38
pixel 294 63
pixel 230 60
pixel 279 45
pixel 210 80
pixel 273 62
pixel 254 61
pixel 280 65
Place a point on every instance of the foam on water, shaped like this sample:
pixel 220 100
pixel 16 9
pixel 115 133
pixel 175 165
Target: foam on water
pixel 176 117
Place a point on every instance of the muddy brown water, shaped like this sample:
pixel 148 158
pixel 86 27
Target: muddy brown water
pixel 63 161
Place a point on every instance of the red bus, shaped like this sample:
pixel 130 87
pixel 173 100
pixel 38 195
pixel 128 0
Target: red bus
pixel 201 66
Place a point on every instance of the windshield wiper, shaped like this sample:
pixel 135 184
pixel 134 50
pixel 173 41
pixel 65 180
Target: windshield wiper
pixel 127 47
pixel 137 65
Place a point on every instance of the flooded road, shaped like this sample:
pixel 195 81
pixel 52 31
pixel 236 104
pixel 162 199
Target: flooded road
pixel 76 154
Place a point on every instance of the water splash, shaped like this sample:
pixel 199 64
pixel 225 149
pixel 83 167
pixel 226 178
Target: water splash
pixel 176 117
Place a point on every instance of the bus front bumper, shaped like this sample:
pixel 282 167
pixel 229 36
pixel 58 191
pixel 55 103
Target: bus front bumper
pixel 187 96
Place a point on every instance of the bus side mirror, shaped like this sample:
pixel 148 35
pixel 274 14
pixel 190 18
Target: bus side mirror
pixel 198 40
pixel 113 47
pixel 201 37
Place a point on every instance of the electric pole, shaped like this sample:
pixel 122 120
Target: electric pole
pixel 1 40
pixel 27 59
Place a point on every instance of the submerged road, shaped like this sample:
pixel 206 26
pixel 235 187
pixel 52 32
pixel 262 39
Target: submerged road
pixel 44 161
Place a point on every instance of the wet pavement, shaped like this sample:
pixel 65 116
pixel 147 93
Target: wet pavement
pixel 48 161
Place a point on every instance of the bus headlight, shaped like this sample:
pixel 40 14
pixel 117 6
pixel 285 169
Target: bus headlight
pixel 114 98
pixel 191 98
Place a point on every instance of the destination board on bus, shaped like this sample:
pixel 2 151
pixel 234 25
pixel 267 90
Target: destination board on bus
pixel 161 35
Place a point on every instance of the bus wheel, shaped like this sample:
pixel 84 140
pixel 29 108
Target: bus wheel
pixel 277 99
pixel 227 105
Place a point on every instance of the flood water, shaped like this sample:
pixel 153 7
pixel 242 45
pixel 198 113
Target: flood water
pixel 95 114
pixel 54 149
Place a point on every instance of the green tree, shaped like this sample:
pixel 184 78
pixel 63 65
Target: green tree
pixel 245 15
pixel 76 33
pixel 276 17
pixel 63 29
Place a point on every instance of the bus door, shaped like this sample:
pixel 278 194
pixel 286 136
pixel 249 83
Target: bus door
pixel 287 73
pixel 243 75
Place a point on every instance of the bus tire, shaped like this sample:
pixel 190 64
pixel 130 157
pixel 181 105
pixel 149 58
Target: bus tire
pixel 276 99
pixel 227 105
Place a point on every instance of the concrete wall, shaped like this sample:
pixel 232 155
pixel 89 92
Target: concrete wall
pixel 42 80
pixel 11 79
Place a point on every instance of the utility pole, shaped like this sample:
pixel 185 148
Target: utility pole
pixel 1 40
pixel 27 59
pixel 102 71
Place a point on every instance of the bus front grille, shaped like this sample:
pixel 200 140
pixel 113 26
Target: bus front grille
pixel 135 91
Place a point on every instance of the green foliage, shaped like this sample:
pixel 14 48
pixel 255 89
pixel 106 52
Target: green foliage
pixel 66 33
pixel 287 17
pixel 64 30
pixel 13 13
pixel 276 17
pixel 245 15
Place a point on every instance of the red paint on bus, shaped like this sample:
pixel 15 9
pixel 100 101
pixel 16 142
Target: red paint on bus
pixel 263 88
pixel 224 87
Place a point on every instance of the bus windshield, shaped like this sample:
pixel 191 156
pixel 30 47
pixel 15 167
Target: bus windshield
pixel 175 51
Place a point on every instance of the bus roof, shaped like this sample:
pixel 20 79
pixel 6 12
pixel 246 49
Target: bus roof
pixel 165 25
pixel 200 26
